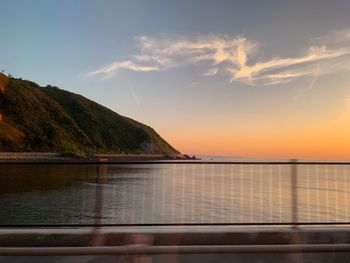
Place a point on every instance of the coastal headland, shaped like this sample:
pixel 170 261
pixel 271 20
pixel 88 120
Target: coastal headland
pixel 36 120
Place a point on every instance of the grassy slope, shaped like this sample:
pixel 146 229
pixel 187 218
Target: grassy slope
pixel 8 134
pixel 50 119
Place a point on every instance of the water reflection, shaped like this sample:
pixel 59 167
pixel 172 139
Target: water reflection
pixel 56 194
pixel 170 193
pixel 27 178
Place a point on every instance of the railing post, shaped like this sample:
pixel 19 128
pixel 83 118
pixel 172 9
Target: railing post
pixel 96 237
pixel 294 191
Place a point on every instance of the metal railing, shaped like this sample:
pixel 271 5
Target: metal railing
pixel 184 193
pixel 192 193
pixel 175 250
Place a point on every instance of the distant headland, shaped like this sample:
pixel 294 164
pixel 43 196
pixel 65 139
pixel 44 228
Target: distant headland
pixel 35 119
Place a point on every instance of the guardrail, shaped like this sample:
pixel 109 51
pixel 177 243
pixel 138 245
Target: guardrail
pixel 321 186
pixel 175 250
pixel 212 193
pixel 261 193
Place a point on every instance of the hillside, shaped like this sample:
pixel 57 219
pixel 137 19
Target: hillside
pixel 3 82
pixel 48 119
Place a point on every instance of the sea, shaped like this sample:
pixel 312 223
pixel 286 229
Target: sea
pixel 213 190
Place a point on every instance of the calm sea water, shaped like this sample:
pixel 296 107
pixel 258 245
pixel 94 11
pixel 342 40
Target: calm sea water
pixel 171 193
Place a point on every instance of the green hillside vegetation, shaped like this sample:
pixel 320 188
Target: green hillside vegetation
pixel 48 119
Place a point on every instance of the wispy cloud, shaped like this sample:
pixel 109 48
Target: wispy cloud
pixel 333 37
pixel 284 70
pixel 236 57
pixel 109 70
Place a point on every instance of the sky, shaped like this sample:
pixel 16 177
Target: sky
pixel 262 79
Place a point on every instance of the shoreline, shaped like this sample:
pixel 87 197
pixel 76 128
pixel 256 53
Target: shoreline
pixel 35 157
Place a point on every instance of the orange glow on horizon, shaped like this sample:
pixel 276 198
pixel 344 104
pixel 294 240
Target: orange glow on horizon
pixel 320 143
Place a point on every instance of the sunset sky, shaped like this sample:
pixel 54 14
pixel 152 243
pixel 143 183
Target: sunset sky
pixel 266 79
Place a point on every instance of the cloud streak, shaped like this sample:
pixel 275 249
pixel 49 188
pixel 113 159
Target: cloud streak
pixel 235 57
pixel 110 70
pixel 318 59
